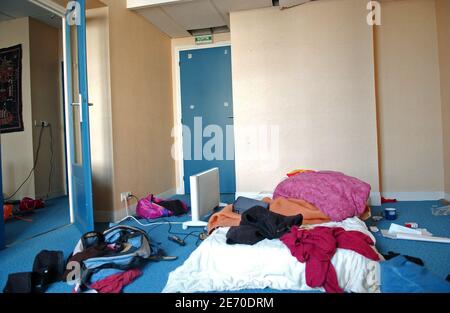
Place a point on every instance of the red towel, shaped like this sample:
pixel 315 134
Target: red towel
pixel 116 282
pixel 317 246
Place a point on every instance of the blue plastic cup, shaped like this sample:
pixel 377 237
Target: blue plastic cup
pixel 390 213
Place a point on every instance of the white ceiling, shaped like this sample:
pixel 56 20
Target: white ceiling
pixel 176 17
pixel 12 9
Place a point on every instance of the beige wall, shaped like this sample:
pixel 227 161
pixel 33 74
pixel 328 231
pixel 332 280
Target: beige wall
pixel 17 148
pixel 409 100
pixel 177 44
pixel 97 25
pixel 309 71
pixel 443 27
pixel 47 106
pixel 141 95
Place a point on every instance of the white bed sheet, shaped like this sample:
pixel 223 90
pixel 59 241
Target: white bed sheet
pixel 217 266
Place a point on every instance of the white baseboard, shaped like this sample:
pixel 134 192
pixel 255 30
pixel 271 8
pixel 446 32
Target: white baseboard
pixel 114 216
pixel 167 194
pixel 414 196
pixel 375 199
pixel 53 195
pixel 447 197
pixel 254 195
pixel 118 215
pixel 103 216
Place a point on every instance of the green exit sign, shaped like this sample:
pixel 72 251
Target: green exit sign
pixel 203 39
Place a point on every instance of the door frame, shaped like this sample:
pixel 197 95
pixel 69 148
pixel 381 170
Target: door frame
pixel 60 11
pixel 177 132
pixel 69 143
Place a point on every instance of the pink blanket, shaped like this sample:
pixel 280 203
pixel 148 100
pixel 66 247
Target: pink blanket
pixel 337 195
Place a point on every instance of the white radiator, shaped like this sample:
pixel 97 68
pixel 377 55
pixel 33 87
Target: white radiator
pixel 205 196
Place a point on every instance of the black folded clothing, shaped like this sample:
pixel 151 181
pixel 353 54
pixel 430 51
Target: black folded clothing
pixel 175 206
pixel 258 223
pixel 412 259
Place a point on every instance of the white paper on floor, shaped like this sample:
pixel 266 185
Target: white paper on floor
pixel 396 231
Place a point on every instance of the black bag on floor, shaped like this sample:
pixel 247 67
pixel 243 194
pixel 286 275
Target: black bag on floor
pixel 175 206
pixel 27 282
pixel 48 268
pixel 49 264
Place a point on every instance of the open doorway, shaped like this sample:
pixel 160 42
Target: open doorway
pixel 32 116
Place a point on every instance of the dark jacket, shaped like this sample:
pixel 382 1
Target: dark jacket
pixel 259 223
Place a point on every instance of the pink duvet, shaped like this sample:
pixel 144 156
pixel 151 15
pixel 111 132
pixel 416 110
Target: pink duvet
pixel 337 195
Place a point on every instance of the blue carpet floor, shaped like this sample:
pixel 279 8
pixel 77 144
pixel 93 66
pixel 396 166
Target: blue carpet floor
pixel 20 257
pixel 55 214
pixel 436 256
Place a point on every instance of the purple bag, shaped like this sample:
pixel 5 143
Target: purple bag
pixel 149 209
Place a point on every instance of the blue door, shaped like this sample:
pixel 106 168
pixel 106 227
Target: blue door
pixel 77 118
pixel 207 114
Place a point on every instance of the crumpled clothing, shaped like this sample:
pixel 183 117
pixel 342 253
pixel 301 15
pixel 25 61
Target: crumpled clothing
pixel 287 207
pixel 258 223
pixel 115 283
pixel 316 248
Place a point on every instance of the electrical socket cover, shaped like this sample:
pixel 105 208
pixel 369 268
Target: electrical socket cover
pixel 41 123
pixel 124 196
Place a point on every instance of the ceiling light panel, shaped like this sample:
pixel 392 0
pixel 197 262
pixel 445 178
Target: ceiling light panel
pixel 195 14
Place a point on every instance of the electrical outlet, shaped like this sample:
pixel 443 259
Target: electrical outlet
pixel 41 123
pixel 124 196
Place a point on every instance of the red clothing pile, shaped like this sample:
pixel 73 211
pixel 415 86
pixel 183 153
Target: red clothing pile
pixel 116 282
pixel 317 246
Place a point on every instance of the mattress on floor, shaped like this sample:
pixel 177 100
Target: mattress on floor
pixel 217 266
